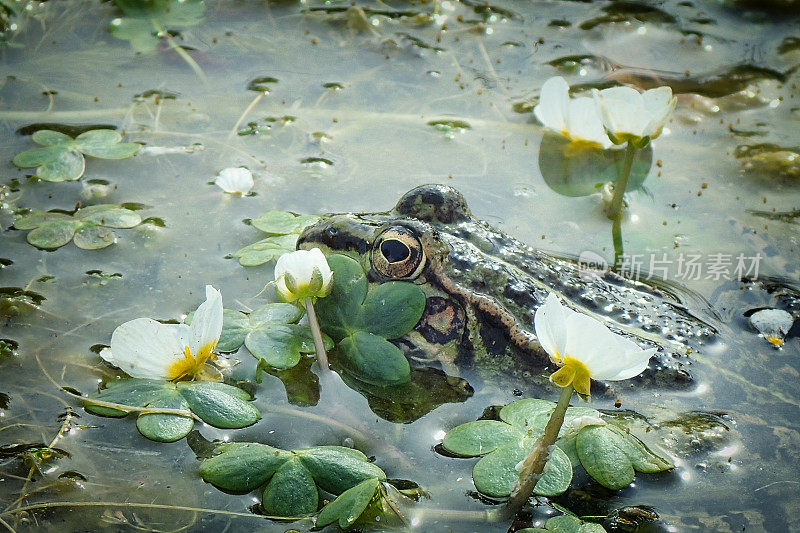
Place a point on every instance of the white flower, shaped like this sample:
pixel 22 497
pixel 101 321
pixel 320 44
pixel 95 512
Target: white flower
pixel 629 115
pixel 145 348
pixel 235 180
pixel 577 119
pixel 585 348
pixel 773 324
pixel 303 274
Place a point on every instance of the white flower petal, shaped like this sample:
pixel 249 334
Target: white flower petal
pixel 549 323
pixel 207 321
pixel 584 122
pixel 630 364
pixel 553 100
pixel 144 348
pixel 626 112
pixel 591 342
pixel 301 265
pixel 235 180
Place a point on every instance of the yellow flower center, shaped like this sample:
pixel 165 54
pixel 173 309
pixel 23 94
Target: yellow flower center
pixel 575 373
pixel 775 341
pixel 190 365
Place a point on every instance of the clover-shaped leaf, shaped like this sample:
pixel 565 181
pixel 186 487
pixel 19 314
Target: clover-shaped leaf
pixel 61 156
pixel 566 524
pixel 608 454
pixel 270 333
pixel 217 404
pixel 363 321
pixel 282 229
pixel 292 477
pixel 89 226
pixel 144 23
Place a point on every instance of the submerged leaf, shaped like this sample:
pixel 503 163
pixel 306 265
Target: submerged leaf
pixel 89 226
pixel 349 505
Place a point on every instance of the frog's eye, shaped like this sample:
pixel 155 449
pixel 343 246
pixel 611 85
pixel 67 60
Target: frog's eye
pixel 397 254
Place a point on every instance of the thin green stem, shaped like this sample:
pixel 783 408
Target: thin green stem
pixel 322 357
pixel 622 182
pixel 616 236
pixel 533 465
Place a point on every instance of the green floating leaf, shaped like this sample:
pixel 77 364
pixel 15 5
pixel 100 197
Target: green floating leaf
pixel 611 456
pixel 291 491
pixel 282 228
pixel 283 222
pixel 349 505
pixel 608 454
pixel 292 478
pixel 266 250
pixel 566 524
pixel 217 404
pixel 270 333
pixel 89 226
pixel 363 321
pixel 62 157
pixel 374 360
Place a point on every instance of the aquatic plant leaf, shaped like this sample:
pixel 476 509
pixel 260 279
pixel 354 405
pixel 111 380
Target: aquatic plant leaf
pixel 364 320
pixel 49 138
pixel 88 225
pixel 291 491
pixel 92 237
pixel 496 473
pixel 374 360
pixel 603 450
pixel 480 437
pixel 283 222
pixel 337 310
pixel 144 21
pixel 269 333
pixel 220 405
pixel 603 454
pixel 52 234
pixel 109 215
pixel 336 468
pixel 165 427
pixel 62 157
pixel 37 218
pixel 349 505
pixel 217 404
pixel 266 250
pixel 566 524
pixel 291 477
pixel 392 309
pixel 67 165
pixel 235 327
pixel 242 467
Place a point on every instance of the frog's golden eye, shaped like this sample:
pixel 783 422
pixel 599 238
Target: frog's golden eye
pixel 398 254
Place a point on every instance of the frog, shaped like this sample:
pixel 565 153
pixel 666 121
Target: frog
pixel 483 288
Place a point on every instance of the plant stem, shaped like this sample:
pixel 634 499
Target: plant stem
pixel 534 463
pixel 622 182
pixel 322 357
pixel 616 236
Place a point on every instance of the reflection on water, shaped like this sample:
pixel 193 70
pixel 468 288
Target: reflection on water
pixel 342 108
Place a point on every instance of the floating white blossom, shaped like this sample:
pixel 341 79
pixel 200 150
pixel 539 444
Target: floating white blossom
pixel 628 115
pixel 303 274
pixel 235 180
pixel 145 348
pixel 577 119
pixel 584 348
pixel 773 324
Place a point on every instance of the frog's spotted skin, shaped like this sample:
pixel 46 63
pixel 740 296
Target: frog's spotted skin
pixel 499 281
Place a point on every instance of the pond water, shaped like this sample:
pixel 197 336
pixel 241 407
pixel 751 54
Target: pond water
pixel 354 104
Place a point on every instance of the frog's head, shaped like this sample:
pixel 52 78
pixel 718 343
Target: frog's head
pixel 395 245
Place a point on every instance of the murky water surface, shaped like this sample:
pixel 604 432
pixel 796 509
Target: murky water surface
pixel 341 123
